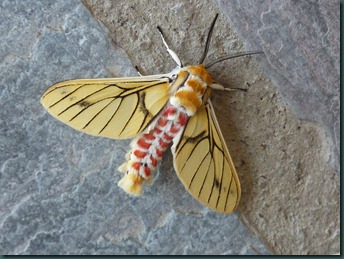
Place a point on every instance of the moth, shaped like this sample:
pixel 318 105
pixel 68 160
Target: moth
pixel 157 111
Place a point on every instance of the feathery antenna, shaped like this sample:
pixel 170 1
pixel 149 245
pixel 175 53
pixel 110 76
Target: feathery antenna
pixel 230 56
pixel 208 39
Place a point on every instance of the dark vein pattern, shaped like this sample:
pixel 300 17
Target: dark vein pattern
pixel 105 107
pixel 203 163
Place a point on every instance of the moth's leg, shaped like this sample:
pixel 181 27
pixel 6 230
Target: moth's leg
pixel 221 87
pixel 138 71
pixel 171 52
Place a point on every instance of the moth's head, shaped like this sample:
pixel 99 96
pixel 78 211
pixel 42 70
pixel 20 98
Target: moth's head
pixel 201 72
pixel 196 83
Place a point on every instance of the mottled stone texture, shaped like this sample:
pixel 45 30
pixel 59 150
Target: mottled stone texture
pixel 290 194
pixel 58 186
pixel 301 44
pixel 300 40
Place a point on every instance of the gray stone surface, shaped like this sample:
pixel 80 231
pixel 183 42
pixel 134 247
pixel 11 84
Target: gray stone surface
pixel 58 186
pixel 301 44
pixel 290 194
pixel 300 40
pixel 59 192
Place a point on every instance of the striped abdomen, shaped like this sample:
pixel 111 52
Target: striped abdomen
pixel 147 149
pixel 190 86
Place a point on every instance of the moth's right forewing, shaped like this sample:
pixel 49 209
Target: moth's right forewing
pixel 203 163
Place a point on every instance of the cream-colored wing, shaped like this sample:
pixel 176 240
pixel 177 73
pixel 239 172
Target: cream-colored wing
pixel 203 163
pixel 113 108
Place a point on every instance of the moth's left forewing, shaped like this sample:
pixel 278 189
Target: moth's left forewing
pixel 113 108
pixel 203 163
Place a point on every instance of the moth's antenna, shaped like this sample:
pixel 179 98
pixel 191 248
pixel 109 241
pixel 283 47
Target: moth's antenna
pixel 230 56
pixel 208 39
pixel 171 52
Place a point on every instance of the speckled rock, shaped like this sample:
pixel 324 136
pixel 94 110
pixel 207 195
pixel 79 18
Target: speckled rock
pixel 290 194
pixel 59 191
pixel 300 40
pixel 59 187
